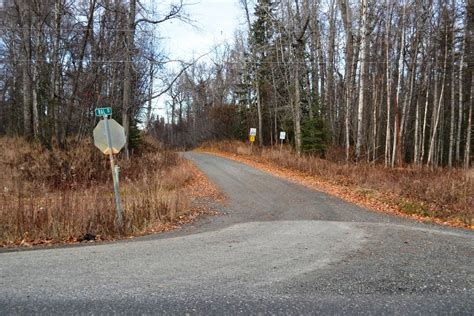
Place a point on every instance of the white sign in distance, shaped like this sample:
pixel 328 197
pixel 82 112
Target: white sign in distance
pixel 117 135
pixel 253 131
pixel 282 135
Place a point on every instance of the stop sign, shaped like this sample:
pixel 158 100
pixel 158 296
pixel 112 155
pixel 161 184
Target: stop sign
pixel 117 135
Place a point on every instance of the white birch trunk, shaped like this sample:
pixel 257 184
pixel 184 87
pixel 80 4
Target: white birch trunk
pixel 374 126
pixel 467 150
pixel 297 112
pixel 425 118
pixel 451 123
pixel 417 124
pixel 389 85
pixel 34 70
pixel 363 57
pixel 396 128
pixel 460 103
pixel 431 151
pixel 453 96
pixel 347 17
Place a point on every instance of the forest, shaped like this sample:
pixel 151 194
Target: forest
pixel 388 82
pixel 60 59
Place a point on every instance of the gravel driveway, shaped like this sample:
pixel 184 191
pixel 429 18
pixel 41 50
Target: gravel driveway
pixel 279 248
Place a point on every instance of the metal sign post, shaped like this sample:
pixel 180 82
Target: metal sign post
pixel 253 133
pixel 114 142
pixel 115 174
pixel 282 137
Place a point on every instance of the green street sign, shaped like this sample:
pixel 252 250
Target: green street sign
pixel 103 111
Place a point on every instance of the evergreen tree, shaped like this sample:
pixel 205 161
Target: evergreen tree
pixel 315 136
pixel 260 45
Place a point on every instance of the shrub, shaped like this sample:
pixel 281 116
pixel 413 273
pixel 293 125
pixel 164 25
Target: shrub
pixel 67 194
pixel 315 136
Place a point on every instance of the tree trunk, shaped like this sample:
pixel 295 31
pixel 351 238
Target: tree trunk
pixel 25 22
pixel 425 118
pixel 460 102
pixel 467 150
pixel 411 83
pixel 417 143
pixel 388 142
pixel 374 124
pixel 150 96
pixel 451 125
pixel 347 19
pixel 35 85
pixel 363 57
pixel 312 90
pixel 127 80
pixel 297 50
pixel 319 67
pixel 396 152
pixel 453 93
pixel 297 111
pixel 75 101
pixel 55 78
pixel 407 103
pixel 416 133
pixel 259 112
pixel 431 151
pixel 329 95
pixel 275 97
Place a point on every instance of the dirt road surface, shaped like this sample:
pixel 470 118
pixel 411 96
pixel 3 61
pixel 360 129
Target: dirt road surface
pixel 278 248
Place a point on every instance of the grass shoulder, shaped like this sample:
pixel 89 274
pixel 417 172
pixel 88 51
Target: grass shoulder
pixel 51 196
pixel 442 196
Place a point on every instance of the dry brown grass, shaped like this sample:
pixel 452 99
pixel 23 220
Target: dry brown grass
pixel 444 194
pixel 61 195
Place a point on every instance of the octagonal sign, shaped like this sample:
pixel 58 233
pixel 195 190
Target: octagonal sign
pixel 117 135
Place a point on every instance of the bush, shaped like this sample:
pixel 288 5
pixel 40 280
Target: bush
pixel 65 194
pixel 315 136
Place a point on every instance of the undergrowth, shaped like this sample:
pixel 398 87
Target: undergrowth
pixel 64 195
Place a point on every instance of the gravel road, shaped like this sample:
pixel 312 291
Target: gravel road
pixel 279 248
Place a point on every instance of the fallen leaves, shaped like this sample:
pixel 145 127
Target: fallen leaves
pixel 200 187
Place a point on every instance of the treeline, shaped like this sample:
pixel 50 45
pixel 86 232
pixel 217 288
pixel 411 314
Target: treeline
pixel 203 102
pixel 59 59
pixel 389 81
